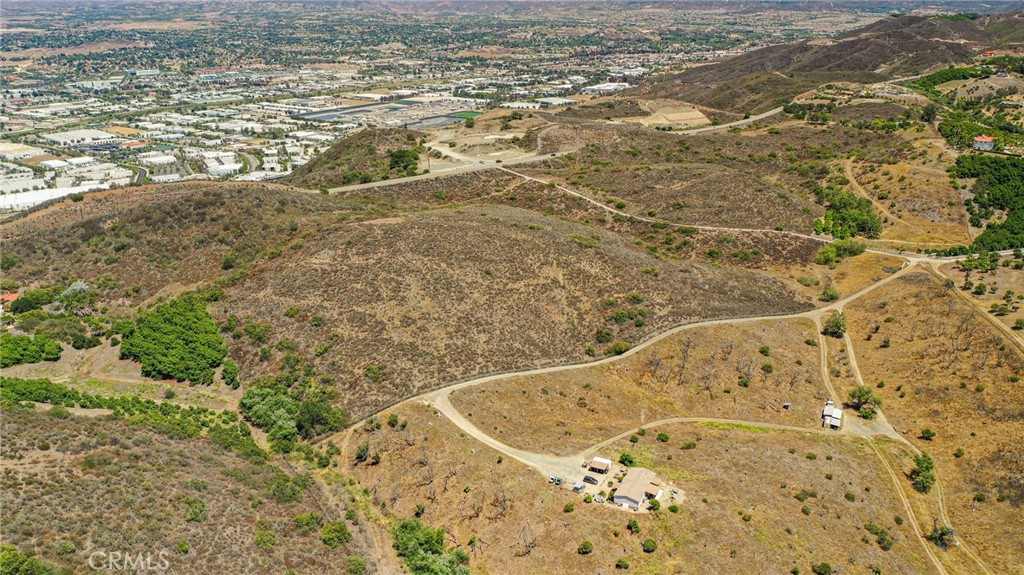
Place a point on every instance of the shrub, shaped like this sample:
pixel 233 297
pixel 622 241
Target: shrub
pixel 569 508
pixel 265 540
pixel 627 459
pixel 355 565
pixel 197 511
pixel 829 294
pixel 633 526
pixel 662 437
pixel 941 536
pixel 822 569
pixel 622 564
pixel 335 534
pixel 654 505
pixel 617 348
pixel 650 545
pixel 585 548
pixel 307 522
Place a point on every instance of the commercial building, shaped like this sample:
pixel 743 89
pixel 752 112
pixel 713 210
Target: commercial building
pixel 607 88
pixel 12 151
pixel 14 178
pixel 556 102
pixel 82 137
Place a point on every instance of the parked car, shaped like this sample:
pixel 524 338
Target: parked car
pixel 591 480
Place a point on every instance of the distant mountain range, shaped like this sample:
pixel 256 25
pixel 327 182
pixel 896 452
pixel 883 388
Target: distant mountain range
pixel 892 47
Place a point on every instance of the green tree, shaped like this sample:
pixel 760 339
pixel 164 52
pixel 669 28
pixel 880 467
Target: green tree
pixel 14 562
pixel 22 349
pixel 835 325
pixel 864 399
pixel 424 551
pixel 923 475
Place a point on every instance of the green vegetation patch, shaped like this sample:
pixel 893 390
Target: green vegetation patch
pixel 424 551
pixel 177 340
pixel 20 349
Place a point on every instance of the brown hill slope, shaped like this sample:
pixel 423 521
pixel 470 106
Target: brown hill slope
pixel 421 296
pixel 360 158
pixel 186 501
pixel 401 304
pixel 759 80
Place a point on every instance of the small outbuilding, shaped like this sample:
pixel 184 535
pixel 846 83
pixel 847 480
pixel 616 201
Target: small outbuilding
pixel 832 415
pixel 984 143
pixel 600 465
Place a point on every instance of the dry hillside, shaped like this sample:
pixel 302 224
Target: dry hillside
pixel 74 486
pixel 759 80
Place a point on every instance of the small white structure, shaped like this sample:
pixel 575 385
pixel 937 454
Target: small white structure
pixel 832 415
pixel 600 465
pixel 638 486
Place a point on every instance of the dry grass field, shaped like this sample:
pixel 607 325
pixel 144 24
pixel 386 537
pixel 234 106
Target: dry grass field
pixel 945 368
pixel 848 276
pixel 716 371
pixel 1002 293
pixel 917 202
pixel 737 505
pixel 757 179
pixel 74 486
pixel 438 296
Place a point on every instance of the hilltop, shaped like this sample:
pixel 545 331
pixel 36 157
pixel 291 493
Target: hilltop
pixel 892 47
pixel 370 155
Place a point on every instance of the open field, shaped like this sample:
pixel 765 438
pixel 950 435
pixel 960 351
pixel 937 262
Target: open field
pixel 946 369
pixel 438 296
pixel 917 203
pixel 1001 294
pixel 716 371
pixel 736 504
pixel 756 179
